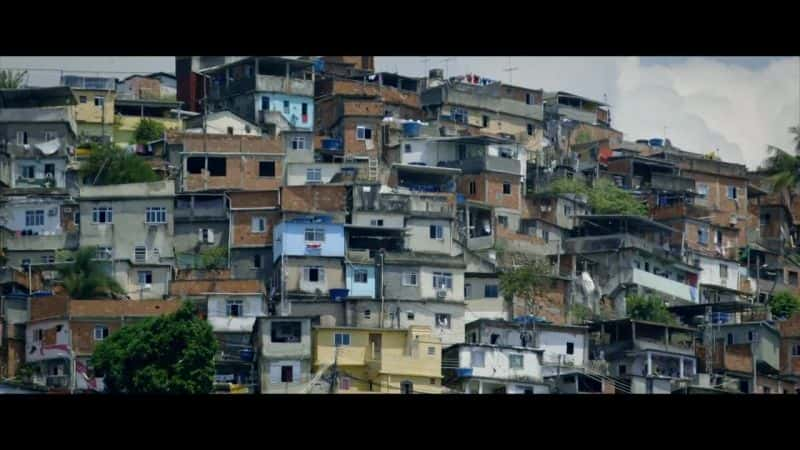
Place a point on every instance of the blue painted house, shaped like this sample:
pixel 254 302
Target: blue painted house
pixel 360 280
pixel 309 236
pixel 298 110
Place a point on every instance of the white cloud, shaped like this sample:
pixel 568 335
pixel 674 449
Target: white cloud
pixel 706 104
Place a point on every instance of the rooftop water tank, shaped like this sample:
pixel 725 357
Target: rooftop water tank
pixel 412 129
pixel 338 295
pixel 656 142
pixel 331 144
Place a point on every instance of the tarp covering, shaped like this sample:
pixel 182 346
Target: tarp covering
pixel 49 147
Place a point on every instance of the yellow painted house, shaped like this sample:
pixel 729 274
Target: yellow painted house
pixel 383 360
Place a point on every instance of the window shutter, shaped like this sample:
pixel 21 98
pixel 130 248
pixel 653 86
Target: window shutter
pixel 306 275
pixel 321 274
pixel 210 236
pixel 199 235
pixel 274 373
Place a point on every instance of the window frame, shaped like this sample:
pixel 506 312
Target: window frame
pixel 446 281
pixel 487 292
pixel 361 133
pixel 506 183
pixel 406 278
pixel 357 272
pixel 140 274
pixel 155 215
pixel 317 234
pixel 136 252
pixel 449 320
pixel 317 172
pixel 262 221
pixel 436 232
pixel 103 332
pixel 472 360
pixel 267 162
pixel 107 213
pixel 101 102
pixel 33 217
pixel 518 357
pixel 25 170
pixel 339 339
pixel 239 304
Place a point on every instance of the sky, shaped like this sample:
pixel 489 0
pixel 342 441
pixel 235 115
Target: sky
pixel 737 105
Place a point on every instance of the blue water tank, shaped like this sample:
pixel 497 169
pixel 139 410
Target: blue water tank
pixel 246 354
pixel 656 142
pixel 463 373
pixel 460 199
pixel 319 65
pixel 412 129
pixel 719 318
pixel 331 144
pixel 338 295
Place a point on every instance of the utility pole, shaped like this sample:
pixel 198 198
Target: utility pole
pixel 335 371
pixel 380 285
pixel 756 337
pixel 446 62
pixel 510 69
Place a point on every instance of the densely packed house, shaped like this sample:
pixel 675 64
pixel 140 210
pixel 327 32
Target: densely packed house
pixel 346 230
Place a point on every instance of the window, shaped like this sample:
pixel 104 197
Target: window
pixel 341 339
pixel 646 266
pixel 49 170
pixel 435 232
pixel 48 259
pixel 139 253
pixel 315 235
pixel 494 338
pixel 22 138
pixel 286 107
pixel 460 115
pixel 732 192
pixel 467 290
pixel 702 190
pixel 49 135
pixel 528 98
pixel 298 143
pixel 314 274
pixel 156 215
pixel 286 331
pixel 376 222
pixel 515 361
pixel 266 168
pixel 230 131
pixel 100 332
pixel 485 121
pixel 443 321
pixel 99 101
pixel 570 348
pixel 409 278
pixel 530 129
pixel 233 308
pixel 34 218
pixel 432 351
pixel 145 277
pixel 360 276
pixel 702 236
pixel 750 336
pixel 313 175
pixel 723 271
pixel 363 133
pixel 406 148
pixel 83 99
pixel 546 235
pixel 103 253
pixel 793 278
pixel 442 280
pixel 304 112
pixel 29 172
pixel 265 103
pixel 286 374
pixel 406 387
pixel 765 218
pixel 102 215
pixel 195 165
pixel 410 315
pixel 367 314
pixel 26 262
pixel 258 224
pixel 472 188
pixel 477 359
pixel 207 235
pixel 567 210
pixel 623 369
pixel 503 220
pixel 506 188
pixel 796 350
pixel 217 167
pixel 256 261
pixel 461 149
pixel 490 291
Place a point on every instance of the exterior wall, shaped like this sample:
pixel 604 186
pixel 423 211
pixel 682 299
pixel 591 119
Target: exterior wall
pixel 402 314
pixel 360 289
pixel 243 263
pixel 554 343
pixel 355 147
pixel 253 306
pixel 496 362
pixel 88 112
pixel 15 214
pixel 59 176
pixel 389 220
pixel 277 102
pixel 242 228
pixel 296 172
pixel 293 242
pixel 481 307
pixel 419 239
pixel 767 349
pixel 730 238
pixel 717 198
pixel 711 272
pixel 126 126
pixel 127 276
pixel 219 124
pixel 241 172
pixel 314 199
pixel 334 275
pixel 140 88
pixel 187 243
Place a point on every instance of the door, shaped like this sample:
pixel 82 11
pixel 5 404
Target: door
pixel 375 345
pixel 286 374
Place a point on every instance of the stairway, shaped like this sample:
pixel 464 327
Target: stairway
pixel 373 169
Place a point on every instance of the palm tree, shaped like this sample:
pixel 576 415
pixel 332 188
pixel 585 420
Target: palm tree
pixel 85 277
pixel 783 168
pixel 796 132
pixel 10 79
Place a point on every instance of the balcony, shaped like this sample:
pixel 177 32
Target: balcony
pixel 189 214
pixel 608 243
pixel 671 183
pixel 577 114
pixel 487 163
pixel 665 285
pixel 433 205
pixel 40 242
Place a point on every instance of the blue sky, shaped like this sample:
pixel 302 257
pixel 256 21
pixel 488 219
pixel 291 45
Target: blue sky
pixel 738 105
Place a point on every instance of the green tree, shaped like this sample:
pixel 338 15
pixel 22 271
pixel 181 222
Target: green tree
pixel 527 283
pixel 12 79
pixel 148 130
pixel 649 308
pixel 784 304
pixel 86 278
pixel 116 166
pixel 783 169
pixel 213 258
pixel 604 197
pixel 171 354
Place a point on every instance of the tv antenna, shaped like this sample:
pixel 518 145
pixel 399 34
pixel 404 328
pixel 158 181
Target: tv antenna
pixel 510 69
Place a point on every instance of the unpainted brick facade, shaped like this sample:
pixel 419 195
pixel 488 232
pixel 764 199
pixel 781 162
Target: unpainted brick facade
pixel 241 172
pixel 243 233
pixel 328 198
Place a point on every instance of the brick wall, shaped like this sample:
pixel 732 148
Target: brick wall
pixel 596 133
pixel 243 234
pixel 362 108
pixel 42 308
pixel 356 147
pixel 480 187
pixel 314 198
pixel 83 341
pixel 495 196
pixel 197 287
pixel 550 305
pixel 203 274
pixel 737 357
pixel 717 199
pixel 193 142
pixel 118 308
pixel 241 172
pixel 518 94
pixel 263 199
pixel 145 88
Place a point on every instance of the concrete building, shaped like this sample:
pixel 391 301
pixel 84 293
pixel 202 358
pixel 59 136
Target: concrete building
pixel 132 226
pixel 253 216
pixel 129 112
pixel 201 224
pixel 494 369
pixel 389 361
pixel 231 308
pixel 283 349
pixel 223 122
pixel 94 111
pixel 62 334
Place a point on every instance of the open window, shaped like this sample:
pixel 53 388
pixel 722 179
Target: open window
pixel 217 167
pixel 289 331
pixel 266 168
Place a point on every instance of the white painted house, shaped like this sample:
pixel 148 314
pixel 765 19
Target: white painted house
pixel 494 369
pixel 223 122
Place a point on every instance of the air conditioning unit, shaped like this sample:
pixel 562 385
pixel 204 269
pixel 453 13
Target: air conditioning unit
pixel 734 219
pixel 441 293
pixel 147 286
